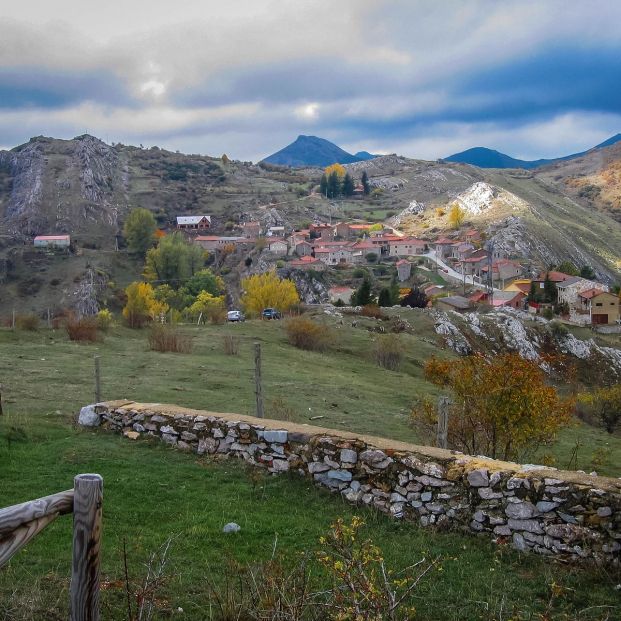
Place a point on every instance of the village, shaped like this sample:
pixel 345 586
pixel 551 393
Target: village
pixel 457 271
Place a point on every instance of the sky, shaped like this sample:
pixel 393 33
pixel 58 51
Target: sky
pixel 422 78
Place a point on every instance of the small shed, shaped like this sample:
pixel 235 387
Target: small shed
pixel 52 241
pixel 404 270
pixel 455 303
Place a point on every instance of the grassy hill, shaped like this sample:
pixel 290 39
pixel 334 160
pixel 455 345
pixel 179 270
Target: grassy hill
pixel 152 493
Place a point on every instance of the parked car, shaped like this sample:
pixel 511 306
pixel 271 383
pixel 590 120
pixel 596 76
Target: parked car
pixel 270 313
pixel 235 315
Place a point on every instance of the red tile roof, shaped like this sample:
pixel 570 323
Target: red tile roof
pixel 591 293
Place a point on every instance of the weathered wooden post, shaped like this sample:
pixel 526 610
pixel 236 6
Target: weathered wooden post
pixel 443 415
pixel 13 322
pixel 97 381
pixel 87 509
pixel 1 410
pixel 258 390
pixel 49 319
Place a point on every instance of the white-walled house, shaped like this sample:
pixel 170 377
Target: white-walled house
pixel 52 241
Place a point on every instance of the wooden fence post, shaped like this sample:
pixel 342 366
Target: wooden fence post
pixel 87 509
pixel 13 322
pixel 97 381
pixel 49 319
pixel 443 414
pixel 1 410
pixel 258 390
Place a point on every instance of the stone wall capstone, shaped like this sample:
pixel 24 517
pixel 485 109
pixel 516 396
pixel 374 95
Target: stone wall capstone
pixel 543 510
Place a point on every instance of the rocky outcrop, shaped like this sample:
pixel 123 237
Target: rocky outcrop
pixel 546 511
pixel 310 289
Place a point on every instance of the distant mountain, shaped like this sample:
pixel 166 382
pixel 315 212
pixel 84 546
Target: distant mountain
pixel 364 155
pixel 489 158
pixel 314 151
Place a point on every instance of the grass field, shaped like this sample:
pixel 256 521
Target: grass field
pixel 152 493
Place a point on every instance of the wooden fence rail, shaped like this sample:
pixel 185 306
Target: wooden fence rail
pixel 20 523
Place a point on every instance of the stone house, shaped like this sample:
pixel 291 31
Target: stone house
pixel 308 263
pixel 324 232
pixel 404 270
pixel 461 251
pixel 570 288
pixel 407 247
pixel 251 229
pixel 443 247
pixel 301 247
pixel 278 246
pixel 334 255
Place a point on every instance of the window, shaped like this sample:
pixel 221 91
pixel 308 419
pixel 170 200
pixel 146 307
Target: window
pixel 598 304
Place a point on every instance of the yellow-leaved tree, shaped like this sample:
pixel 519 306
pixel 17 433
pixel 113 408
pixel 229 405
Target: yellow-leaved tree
pixel 141 305
pixel 501 407
pixel 456 215
pixel 339 169
pixel 268 291
pixel 209 306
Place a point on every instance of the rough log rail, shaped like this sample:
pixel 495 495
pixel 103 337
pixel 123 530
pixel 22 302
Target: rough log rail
pixel 19 524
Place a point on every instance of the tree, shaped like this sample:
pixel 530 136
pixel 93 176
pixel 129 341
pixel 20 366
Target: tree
pixel 362 296
pixel 533 294
pixel 141 305
pixel 339 169
pixel 139 231
pixel 550 292
pixel 415 298
pixel 334 185
pixel 586 271
pixel 268 291
pixel 365 182
pixel 501 407
pixel 348 185
pixel 384 298
pixel 605 404
pixel 174 260
pixel 208 305
pixel 567 267
pixel 205 280
pixel 456 216
pixel 225 159
pixel 323 185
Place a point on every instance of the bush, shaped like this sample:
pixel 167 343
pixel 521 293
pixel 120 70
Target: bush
pixel 389 352
pixel 359 273
pixel 372 310
pixel 105 319
pixel 167 339
pixel 84 329
pixel 27 322
pixel 548 313
pixel 304 333
pixel 230 344
pixel 558 329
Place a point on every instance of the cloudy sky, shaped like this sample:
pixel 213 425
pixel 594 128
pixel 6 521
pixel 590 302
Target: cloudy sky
pixel 424 78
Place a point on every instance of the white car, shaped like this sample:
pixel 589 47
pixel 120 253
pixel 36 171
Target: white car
pixel 235 315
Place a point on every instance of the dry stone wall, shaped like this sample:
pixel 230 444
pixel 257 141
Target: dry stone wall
pixel 536 509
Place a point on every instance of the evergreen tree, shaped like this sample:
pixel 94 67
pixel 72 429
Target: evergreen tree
pixel 586 271
pixel 323 185
pixel 365 182
pixel 394 289
pixel 334 185
pixel 348 185
pixel 415 298
pixel 532 295
pixel 385 298
pixel 550 291
pixel 362 295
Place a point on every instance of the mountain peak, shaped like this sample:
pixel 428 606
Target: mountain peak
pixel 313 151
pixel 490 158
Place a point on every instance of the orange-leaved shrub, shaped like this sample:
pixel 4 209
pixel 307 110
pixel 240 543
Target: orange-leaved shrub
pixel 304 333
pixel 168 339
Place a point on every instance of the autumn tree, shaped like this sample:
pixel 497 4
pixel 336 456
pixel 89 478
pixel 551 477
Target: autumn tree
pixel 142 305
pixel 205 280
pixel 456 216
pixel 209 306
pixel 139 231
pixel 268 291
pixel 501 407
pixel 335 174
pixel 605 405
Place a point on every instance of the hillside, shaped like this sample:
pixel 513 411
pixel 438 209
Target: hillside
pixel 313 151
pixel 489 158
pixel 85 187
